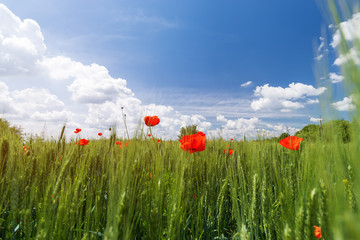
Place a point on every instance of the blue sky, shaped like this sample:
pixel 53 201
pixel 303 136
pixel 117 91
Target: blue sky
pixel 186 61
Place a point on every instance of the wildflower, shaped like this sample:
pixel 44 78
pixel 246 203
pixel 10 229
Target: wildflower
pixel 158 140
pixel 127 144
pixel 232 139
pixel 151 121
pixel 100 134
pixel 25 150
pixel 83 142
pixel 77 130
pixel 119 144
pixel 229 151
pixel 291 142
pixel 149 135
pixel 317 232
pixel 193 143
pixel 150 176
pixel 345 180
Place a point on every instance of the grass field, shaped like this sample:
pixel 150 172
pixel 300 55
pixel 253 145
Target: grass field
pixel 150 190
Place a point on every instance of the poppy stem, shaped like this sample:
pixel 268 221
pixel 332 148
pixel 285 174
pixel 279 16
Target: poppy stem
pixel 124 118
pixel 150 131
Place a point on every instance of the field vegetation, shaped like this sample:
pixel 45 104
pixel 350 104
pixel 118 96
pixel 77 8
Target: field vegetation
pixel 155 190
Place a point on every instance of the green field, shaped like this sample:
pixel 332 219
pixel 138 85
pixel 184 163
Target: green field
pixel 150 190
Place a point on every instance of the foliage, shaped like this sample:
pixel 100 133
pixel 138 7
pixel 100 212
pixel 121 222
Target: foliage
pixel 284 135
pixel 309 132
pixel 6 129
pixel 342 128
pixel 327 131
pixel 188 130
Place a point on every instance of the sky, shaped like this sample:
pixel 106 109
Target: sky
pixel 233 68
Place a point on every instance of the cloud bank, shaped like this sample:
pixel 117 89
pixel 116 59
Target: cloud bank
pixel 284 99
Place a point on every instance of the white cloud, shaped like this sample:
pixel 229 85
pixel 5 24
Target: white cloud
pixel 90 83
pixel 345 105
pixel 21 44
pixel 335 78
pixel 221 118
pixel 313 101
pixel 349 29
pixel 352 54
pixel 251 128
pixel 312 119
pixel 278 98
pixel 32 103
pixel 248 83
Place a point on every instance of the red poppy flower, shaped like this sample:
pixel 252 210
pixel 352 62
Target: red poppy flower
pixel 291 142
pixel 77 130
pixel 83 142
pixel 158 140
pixel 317 232
pixel 26 149
pixel 151 121
pixel 100 134
pixel 229 151
pixel 118 143
pixel 127 144
pixel 149 135
pixel 193 143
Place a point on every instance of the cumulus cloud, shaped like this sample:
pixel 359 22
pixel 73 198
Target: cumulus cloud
pixel 344 105
pixel 312 119
pixel 21 44
pixel 348 31
pixel 335 78
pixel 283 99
pixel 248 83
pixel 90 83
pixel 250 128
pixel 352 55
pixel 221 118
pixel 32 106
pixel 313 101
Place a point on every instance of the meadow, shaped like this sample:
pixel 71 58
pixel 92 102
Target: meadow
pixel 57 189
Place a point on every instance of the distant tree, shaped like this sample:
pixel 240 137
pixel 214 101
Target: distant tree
pixel 283 135
pixel 338 128
pixel 188 130
pixel 5 128
pixel 309 132
pixel 328 131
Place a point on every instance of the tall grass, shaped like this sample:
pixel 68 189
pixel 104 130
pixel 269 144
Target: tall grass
pixel 152 190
